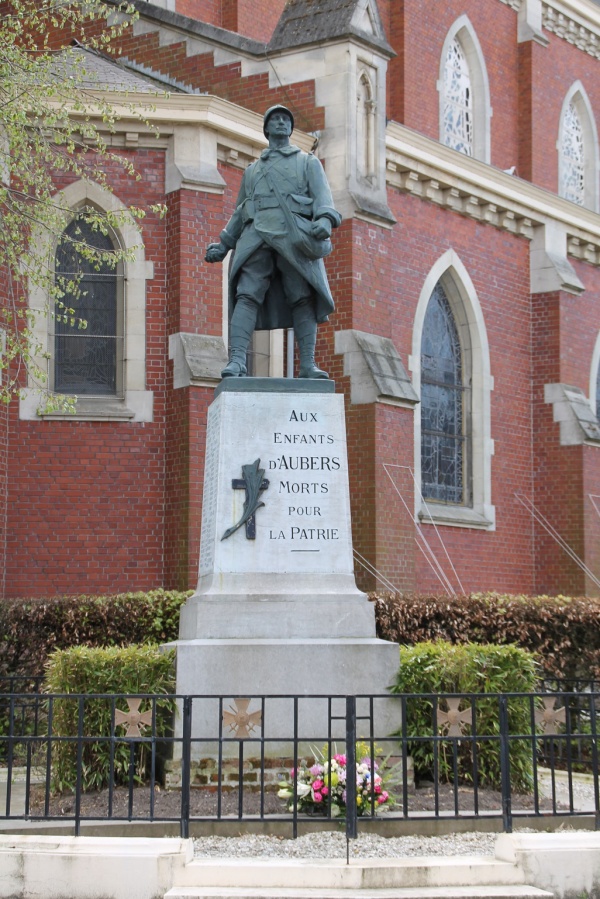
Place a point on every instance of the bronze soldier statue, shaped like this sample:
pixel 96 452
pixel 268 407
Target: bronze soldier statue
pixel 280 232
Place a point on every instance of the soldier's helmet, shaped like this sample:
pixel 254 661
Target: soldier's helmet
pixel 269 113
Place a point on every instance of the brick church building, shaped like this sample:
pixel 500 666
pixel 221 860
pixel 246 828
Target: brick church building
pixel 460 140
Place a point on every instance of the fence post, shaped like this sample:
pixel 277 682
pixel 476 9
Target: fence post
pixel 594 729
pixel 186 764
pixel 79 771
pixel 505 765
pixel 351 809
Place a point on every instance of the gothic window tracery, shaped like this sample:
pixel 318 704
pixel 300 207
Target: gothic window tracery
pixel 445 406
pixel 573 157
pixel 457 107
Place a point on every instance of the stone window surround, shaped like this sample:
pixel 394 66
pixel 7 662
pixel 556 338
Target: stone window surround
pixel 465 303
pixel 578 97
pixel 463 31
pixel 137 402
pixel 594 375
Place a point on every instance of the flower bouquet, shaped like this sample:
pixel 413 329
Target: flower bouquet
pixel 321 787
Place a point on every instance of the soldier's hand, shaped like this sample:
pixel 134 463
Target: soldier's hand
pixel 216 252
pixel 321 229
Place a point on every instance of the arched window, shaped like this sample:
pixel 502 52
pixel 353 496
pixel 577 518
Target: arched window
pixel 445 406
pixel 572 183
pixel 88 359
pixel 365 129
pixel 110 383
pixel 465 109
pixel 578 150
pixel 451 375
pixel 457 108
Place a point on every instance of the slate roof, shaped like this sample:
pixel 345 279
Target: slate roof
pixel 312 21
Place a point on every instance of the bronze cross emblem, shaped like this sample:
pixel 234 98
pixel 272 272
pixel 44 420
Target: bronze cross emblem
pixel 454 720
pixel 253 482
pixel 133 719
pixel 549 718
pixel 240 720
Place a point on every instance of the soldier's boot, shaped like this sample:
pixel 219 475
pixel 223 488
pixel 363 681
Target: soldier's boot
pixel 241 330
pixel 305 332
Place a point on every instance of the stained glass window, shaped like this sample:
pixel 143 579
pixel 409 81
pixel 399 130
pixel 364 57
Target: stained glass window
pixel 85 359
pixel 457 108
pixel 573 157
pixel 444 406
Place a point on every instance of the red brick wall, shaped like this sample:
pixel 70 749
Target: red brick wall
pixel 565 332
pixel 224 81
pixel 252 18
pixel 591 513
pixel 195 306
pixel 388 272
pixel 524 127
pixel 95 507
pixel 586 319
pixel 418 39
pixel 86 499
pixel 558 469
pixel 210 11
pixel 555 70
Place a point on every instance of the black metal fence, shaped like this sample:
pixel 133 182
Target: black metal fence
pixel 189 759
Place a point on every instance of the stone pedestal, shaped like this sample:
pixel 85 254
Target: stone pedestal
pixel 277 610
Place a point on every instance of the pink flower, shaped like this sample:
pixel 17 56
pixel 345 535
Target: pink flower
pixel 316 769
pixel 318 797
pixel 340 759
pixel 325 791
pixel 317 784
pixel 378 788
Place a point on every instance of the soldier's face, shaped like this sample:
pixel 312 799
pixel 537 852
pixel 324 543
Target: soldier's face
pixel 278 125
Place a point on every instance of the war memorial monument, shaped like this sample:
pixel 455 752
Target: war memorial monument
pixel 277 610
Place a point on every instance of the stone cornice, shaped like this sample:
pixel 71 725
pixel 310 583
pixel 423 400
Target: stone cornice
pixel 237 129
pixel 575 21
pixel 436 174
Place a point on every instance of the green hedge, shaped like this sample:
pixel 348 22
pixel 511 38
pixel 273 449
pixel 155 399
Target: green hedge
pixel 31 629
pixel 117 670
pixel 563 632
pixel 443 668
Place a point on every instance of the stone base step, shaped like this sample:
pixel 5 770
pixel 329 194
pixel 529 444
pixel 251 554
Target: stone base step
pixel 335 874
pixel 489 891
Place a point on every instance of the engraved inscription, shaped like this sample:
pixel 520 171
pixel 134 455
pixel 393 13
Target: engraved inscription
pixel 305 430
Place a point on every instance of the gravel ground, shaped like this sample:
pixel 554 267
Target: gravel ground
pixel 326 844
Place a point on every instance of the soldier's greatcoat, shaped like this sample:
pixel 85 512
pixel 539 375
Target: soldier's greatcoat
pixel 259 219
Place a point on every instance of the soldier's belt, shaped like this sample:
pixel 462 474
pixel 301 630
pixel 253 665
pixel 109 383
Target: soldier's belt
pixel 266 203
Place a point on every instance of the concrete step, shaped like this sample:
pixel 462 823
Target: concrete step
pixel 489 891
pixel 335 874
